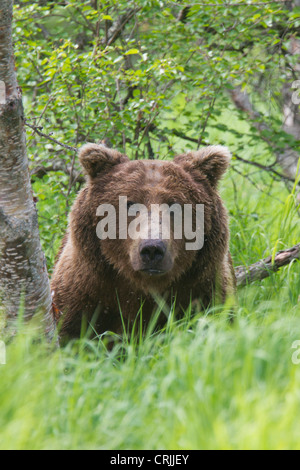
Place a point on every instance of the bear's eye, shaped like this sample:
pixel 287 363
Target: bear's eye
pixel 171 203
pixel 129 204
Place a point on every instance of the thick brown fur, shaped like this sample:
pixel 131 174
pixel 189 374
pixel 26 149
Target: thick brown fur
pixel 100 279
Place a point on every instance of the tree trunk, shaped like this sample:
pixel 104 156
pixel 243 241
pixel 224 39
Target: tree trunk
pixel 24 284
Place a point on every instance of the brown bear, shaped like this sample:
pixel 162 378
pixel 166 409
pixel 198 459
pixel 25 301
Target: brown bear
pixel 108 277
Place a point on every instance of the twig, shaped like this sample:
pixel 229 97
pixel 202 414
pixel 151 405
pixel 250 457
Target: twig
pixel 42 134
pixel 181 135
pixel 40 171
pixel 121 110
pixel 268 168
pixel 211 107
pixel 119 25
pixel 239 4
pixel 247 177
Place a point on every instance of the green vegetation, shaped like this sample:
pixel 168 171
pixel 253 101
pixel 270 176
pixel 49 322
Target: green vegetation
pixel 198 385
pixel 202 383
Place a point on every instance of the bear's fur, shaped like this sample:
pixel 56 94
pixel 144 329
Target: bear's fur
pixel 102 279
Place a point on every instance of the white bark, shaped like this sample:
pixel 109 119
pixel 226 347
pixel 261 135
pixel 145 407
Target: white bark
pixel 23 273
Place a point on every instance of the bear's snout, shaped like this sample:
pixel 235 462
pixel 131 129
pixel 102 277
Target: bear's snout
pixel 152 252
pixel 152 257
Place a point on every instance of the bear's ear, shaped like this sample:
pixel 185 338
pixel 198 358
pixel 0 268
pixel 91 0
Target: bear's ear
pixel 96 158
pixel 212 161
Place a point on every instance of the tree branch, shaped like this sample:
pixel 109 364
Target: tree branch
pixel 268 168
pixel 40 133
pixel 40 171
pixel 117 27
pixel 229 5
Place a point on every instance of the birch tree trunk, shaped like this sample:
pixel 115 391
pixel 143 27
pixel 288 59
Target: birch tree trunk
pixel 24 280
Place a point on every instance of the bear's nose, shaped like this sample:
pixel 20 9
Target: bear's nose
pixel 152 251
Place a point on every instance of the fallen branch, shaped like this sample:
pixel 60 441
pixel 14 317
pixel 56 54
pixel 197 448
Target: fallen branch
pixel 266 267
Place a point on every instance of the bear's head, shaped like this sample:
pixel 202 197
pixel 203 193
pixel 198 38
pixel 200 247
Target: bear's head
pixel 150 219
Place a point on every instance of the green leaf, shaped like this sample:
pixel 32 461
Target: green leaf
pixel 132 51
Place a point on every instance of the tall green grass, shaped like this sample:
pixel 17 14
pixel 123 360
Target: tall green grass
pixel 203 384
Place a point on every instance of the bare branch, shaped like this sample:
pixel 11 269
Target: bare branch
pixel 229 5
pixel 267 168
pixel 183 14
pixel 40 171
pixel 42 134
pixel 119 25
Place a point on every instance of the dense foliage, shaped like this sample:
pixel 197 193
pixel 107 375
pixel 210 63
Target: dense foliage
pixel 151 78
